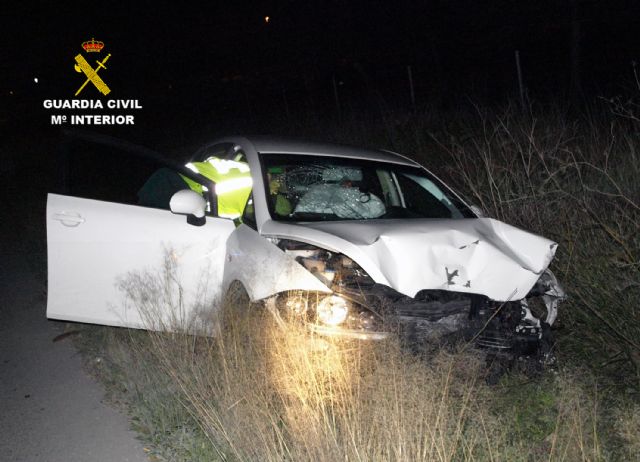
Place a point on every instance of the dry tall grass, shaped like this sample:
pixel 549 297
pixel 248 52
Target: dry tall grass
pixel 266 393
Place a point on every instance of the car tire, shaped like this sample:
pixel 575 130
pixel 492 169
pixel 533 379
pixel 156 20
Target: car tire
pixel 238 312
pixel 236 306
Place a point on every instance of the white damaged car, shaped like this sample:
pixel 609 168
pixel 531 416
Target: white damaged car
pixel 360 243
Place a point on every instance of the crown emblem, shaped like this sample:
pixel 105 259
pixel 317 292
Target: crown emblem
pixel 92 46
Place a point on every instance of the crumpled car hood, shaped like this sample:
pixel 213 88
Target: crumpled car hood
pixel 477 255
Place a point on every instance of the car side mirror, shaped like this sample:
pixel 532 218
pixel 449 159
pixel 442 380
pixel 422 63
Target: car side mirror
pixel 190 203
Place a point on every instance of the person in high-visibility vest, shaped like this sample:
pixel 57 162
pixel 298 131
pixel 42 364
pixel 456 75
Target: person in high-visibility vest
pixel 232 182
pixel 232 185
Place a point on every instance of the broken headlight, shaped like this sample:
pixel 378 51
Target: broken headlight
pixel 333 269
pixel 339 273
pixel 549 293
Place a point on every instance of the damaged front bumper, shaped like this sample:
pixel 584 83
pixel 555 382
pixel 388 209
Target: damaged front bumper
pixel 359 307
pixel 513 329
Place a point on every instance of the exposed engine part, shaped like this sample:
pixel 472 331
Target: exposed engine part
pixel 437 317
pixel 333 269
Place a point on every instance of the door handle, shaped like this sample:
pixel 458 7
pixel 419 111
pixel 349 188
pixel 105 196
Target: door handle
pixel 71 219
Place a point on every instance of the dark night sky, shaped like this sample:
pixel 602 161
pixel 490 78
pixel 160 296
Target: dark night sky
pixel 223 54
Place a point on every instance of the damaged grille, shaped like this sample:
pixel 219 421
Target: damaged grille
pixel 437 317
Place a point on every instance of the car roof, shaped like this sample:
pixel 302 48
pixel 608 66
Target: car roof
pixel 269 145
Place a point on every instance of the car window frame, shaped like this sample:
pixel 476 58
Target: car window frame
pixel 71 136
pixel 455 198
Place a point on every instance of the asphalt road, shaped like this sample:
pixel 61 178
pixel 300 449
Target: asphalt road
pixel 50 409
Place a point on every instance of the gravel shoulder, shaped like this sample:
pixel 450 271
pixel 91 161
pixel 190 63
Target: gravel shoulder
pixel 50 409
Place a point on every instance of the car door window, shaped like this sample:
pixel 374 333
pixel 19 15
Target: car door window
pixel 95 171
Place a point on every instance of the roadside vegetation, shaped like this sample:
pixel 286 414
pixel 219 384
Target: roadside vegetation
pixel 258 392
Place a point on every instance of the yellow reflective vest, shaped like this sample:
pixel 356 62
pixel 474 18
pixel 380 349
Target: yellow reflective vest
pixel 232 182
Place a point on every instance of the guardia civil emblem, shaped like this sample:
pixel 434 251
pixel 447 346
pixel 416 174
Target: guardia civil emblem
pixel 83 66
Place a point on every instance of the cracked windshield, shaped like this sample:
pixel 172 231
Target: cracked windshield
pixel 301 188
